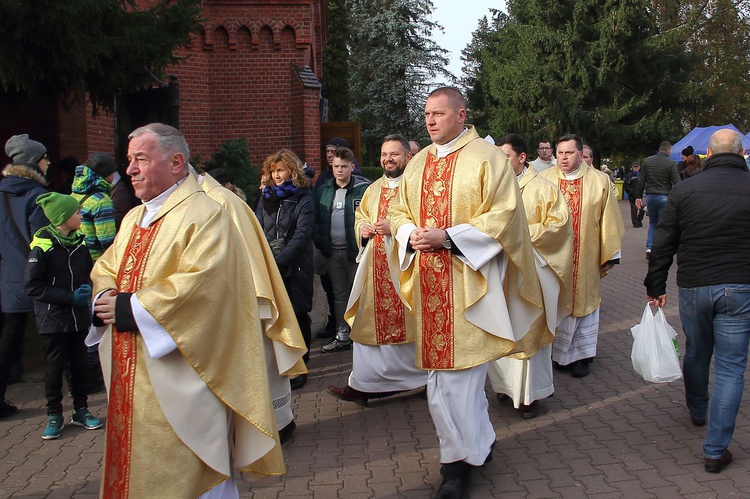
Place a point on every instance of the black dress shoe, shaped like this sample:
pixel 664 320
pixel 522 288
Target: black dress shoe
pixel 529 411
pixel 349 394
pixel 455 480
pixel 698 421
pixel 489 456
pixel 716 465
pixel 286 432
pixel 298 382
pixel 7 409
pixel 580 369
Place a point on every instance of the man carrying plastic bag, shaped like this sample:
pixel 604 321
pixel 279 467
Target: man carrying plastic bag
pixel 707 224
pixel 654 353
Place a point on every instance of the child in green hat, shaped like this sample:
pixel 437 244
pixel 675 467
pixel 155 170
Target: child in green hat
pixel 57 278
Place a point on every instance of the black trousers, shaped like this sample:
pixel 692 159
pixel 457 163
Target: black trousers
pixel 304 324
pixel 11 346
pixel 636 215
pixel 62 349
pixel 325 282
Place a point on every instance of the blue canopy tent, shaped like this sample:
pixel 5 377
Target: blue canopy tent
pixel 698 138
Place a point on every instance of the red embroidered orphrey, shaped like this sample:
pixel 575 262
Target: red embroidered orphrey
pixel 436 277
pixel 390 321
pixel 572 190
pixel 119 430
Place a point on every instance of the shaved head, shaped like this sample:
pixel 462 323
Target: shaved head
pixel 454 95
pixel 725 140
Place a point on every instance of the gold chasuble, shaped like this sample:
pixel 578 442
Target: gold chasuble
pixel 375 312
pixel 473 186
pixel 178 424
pixel 597 230
pixel 282 326
pixel 550 226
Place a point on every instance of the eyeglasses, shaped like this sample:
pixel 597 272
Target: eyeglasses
pixel 46 158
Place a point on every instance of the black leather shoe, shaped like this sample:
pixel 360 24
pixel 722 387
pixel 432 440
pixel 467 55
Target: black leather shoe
pixel 286 432
pixel 489 456
pixel 7 409
pixel 698 421
pixel 298 382
pixel 716 465
pixel 580 369
pixel 349 394
pixel 455 480
pixel 529 411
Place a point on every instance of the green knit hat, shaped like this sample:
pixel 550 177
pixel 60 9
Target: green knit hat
pixel 58 207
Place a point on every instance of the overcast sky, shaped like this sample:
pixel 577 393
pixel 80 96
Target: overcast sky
pixel 459 19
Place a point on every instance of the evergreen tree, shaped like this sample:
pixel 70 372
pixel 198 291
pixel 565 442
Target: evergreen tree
pixel 606 70
pixel 336 61
pixel 72 48
pixel 234 157
pixel 392 63
pixel 720 40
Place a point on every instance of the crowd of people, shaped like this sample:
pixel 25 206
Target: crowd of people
pixel 464 261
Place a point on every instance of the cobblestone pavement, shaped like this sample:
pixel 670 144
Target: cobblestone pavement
pixel 608 435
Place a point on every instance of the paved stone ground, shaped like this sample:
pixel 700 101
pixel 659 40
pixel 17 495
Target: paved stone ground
pixel 608 435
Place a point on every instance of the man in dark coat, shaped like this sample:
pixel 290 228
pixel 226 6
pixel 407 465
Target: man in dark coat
pixel 706 222
pixel 20 217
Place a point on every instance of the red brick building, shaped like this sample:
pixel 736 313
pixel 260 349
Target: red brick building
pixel 254 70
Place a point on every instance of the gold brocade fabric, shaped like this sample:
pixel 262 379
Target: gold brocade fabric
pixel 551 234
pixel 483 193
pixel 379 317
pixel 597 229
pixel 266 276
pixel 197 284
pixel 550 226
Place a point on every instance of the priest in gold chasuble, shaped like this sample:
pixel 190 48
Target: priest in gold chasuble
pixel 468 276
pixel 382 327
pixel 189 404
pixel 597 236
pixel 526 381
pixel 283 341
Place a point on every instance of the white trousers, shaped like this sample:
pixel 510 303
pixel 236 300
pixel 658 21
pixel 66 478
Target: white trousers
pixel 523 380
pixel 458 406
pixel 281 390
pixel 576 338
pixel 385 368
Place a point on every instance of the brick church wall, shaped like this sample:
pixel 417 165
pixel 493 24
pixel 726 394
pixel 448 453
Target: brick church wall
pixel 237 81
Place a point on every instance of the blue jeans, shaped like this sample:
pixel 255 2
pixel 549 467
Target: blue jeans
pixel 716 321
pixel 656 203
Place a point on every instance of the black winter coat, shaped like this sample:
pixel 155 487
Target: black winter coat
pixel 20 218
pixel 706 222
pixel 53 273
pixel 296 221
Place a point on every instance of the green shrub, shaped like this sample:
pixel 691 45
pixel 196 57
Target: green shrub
pixel 234 157
pixel 372 172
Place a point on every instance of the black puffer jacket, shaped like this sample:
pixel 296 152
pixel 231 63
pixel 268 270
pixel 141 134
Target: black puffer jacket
pixel 53 273
pixel 296 220
pixel 20 218
pixel 706 222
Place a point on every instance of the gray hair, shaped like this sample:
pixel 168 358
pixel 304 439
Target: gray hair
pixel 725 141
pixel 168 139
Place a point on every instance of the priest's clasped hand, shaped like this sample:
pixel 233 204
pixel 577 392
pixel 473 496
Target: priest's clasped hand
pixel 104 308
pixel 430 239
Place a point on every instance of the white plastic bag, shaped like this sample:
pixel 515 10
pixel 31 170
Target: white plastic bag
pixel 654 353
